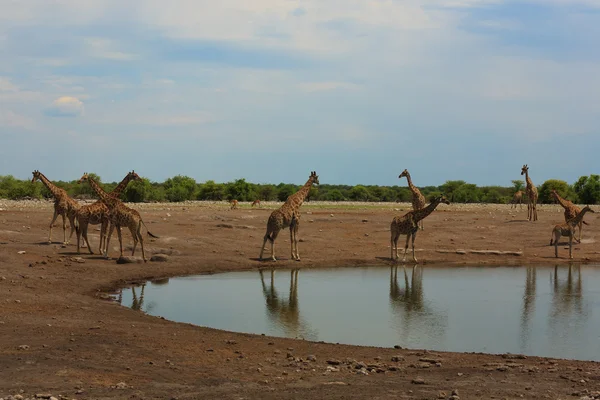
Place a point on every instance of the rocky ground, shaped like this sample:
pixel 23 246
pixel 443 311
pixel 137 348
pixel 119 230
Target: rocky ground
pixel 62 337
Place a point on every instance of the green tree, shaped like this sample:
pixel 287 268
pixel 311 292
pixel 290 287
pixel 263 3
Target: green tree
pixel 180 188
pixel 334 195
pixel 284 191
pixel 359 193
pixel 210 190
pixel 518 185
pixel 450 187
pixel 239 190
pixel 588 189
pixel 562 187
pixel 138 191
pixel 85 189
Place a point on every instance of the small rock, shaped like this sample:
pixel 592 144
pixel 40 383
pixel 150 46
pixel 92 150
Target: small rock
pixel 365 220
pixel 23 347
pixel 159 258
pixel 121 385
pixel 418 381
pixel 331 215
pixel 442 395
pixel 334 362
pixel 397 358
pixel 21 252
pixel 311 357
pixel 332 369
pixel 43 396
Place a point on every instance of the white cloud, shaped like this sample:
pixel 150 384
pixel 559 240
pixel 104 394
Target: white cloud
pixel 65 106
pixel 106 49
pixel 10 119
pixel 325 86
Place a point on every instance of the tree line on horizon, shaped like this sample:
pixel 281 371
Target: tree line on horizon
pixel 586 190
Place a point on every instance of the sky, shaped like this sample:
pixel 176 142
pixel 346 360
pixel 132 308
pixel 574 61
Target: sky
pixel 269 90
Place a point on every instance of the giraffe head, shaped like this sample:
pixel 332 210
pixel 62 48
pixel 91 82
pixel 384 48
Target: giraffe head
pixel 83 178
pixel 36 175
pixel 554 193
pixel 525 169
pixel 314 177
pixel 403 174
pixel 587 209
pixel 442 199
pixel 133 176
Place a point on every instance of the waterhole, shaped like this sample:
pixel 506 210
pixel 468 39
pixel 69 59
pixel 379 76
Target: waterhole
pixel 543 311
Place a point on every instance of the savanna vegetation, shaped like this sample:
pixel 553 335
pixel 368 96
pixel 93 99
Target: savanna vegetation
pixel 181 188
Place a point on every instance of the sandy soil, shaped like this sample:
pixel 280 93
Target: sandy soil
pixel 60 335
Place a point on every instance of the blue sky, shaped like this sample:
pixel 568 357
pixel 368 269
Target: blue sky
pixel 269 90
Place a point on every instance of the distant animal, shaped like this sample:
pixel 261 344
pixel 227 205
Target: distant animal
pixel 418 200
pixel 288 215
pixel 234 204
pixel 567 229
pixel 256 203
pixel 407 224
pixel 532 195
pixel 517 199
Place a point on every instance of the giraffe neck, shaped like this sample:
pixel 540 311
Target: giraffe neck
pixel 529 183
pixel 121 186
pixel 55 190
pixel 298 198
pixel 560 200
pixel 105 197
pixel 575 221
pixel 412 187
pixel 420 214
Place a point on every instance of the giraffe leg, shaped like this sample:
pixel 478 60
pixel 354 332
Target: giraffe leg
pixel 406 247
pixel 103 228
pixel 292 240
pixel 296 227
pixel 262 249
pixel 110 232
pixel 414 236
pixel 64 218
pixel 52 223
pixel 571 234
pixel 120 236
pixel 72 222
pixel 78 233
pixel 580 229
pixel 392 247
pixel 135 232
pixel 141 239
pixel 83 230
pixel 556 239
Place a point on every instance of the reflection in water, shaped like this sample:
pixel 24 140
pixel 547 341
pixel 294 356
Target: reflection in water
pixel 286 313
pixel 408 304
pixel 528 306
pixel 137 303
pixel 567 298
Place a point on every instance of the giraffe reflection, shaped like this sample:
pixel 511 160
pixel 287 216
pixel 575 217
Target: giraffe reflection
pixel 528 306
pixel 567 296
pixel 285 313
pixel 408 303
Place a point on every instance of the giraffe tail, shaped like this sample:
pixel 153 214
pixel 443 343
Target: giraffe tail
pixel 148 231
pixel 585 223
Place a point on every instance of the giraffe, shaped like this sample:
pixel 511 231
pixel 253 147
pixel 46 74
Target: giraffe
pixel 408 225
pixel 571 210
pixel 256 203
pixel 64 206
pixel 288 215
pixel 567 229
pixel 517 199
pixel 532 195
pixel 234 204
pixel 120 215
pixel 418 200
pixel 97 213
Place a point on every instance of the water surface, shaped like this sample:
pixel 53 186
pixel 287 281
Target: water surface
pixel 545 311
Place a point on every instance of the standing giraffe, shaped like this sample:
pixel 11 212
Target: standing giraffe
pixel 64 206
pixel 517 199
pixel 418 200
pixel 532 195
pixel 120 215
pixel 567 229
pixel 97 213
pixel 571 210
pixel 408 225
pixel 288 215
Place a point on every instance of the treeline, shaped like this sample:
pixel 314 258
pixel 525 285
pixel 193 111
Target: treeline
pixel 585 190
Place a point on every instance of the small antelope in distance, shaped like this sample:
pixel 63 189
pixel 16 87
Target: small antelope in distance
pixel 234 204
pixel 567 229
pixel 256 203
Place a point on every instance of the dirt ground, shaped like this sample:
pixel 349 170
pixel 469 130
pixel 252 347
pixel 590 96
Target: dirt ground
pixel 60 334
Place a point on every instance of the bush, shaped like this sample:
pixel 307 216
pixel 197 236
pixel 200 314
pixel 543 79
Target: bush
pixel 180 188
pixel 137 191
pixel 562 187
pixel 588 189
pixel 211 191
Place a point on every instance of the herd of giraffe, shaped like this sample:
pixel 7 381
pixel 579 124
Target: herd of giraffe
pixel 110 212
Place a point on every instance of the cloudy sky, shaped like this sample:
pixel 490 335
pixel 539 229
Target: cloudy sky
pixel 269 90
